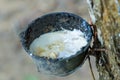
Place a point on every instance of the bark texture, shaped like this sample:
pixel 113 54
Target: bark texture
pixel 105 14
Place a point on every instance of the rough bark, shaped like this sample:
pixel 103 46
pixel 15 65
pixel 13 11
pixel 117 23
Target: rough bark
pixel 105 14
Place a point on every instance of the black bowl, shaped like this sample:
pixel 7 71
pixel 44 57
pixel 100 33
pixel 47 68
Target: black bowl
pixel 55 22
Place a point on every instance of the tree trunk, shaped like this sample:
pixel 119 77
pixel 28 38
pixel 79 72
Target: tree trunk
pixel 105 14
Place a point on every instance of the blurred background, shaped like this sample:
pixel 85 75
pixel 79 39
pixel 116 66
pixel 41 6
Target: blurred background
pixel 15 64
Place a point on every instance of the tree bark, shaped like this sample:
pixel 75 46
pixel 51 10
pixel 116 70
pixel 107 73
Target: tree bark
pixel 105 14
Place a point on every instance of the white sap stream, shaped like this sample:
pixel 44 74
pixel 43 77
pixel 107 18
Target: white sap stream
pixel 59 44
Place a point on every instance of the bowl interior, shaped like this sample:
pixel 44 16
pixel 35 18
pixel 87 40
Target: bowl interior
pixel 55 22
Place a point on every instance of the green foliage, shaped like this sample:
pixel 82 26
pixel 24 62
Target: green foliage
pixel 30 77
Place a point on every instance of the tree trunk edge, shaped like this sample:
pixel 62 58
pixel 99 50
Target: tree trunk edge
pixel 105 15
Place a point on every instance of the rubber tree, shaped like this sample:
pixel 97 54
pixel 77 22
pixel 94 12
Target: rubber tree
pixel 105 14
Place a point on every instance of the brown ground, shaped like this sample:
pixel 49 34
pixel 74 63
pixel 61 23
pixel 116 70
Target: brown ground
pixel 15 64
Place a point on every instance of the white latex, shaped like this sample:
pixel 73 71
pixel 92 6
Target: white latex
pixel 59 44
